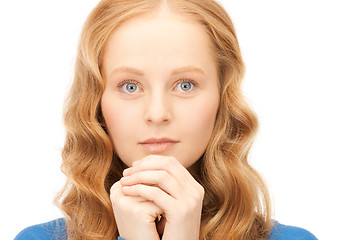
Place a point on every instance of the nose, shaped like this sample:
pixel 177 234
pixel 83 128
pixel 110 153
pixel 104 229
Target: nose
pixel 158 109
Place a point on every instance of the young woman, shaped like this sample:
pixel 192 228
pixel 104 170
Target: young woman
pixel 158 132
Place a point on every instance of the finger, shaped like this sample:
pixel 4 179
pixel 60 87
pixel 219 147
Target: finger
pixel 169 164
pixel 116 193
pixel 132 215
pixel 161 179
pixel 127 172
pixel 143 207
pixel 151 193
pixel 152 210
pixel 172 166
pixel 116 189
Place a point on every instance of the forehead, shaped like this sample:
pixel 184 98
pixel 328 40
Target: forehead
pixel 163 38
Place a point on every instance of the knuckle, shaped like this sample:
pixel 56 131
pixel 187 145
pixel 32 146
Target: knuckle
pixel 173 160
pixel 181 209
pixel 137 177
pixel 153 191
pixel 167 163
pixel 121 205
pixel 186 209
pixel 115 191
pixel 201 191
pixel 162 176
pixel 136 210
pixel 114 187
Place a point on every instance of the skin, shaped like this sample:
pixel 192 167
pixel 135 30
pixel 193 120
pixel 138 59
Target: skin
pixel 161 81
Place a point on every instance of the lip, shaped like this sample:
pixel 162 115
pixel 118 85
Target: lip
pixel 158 145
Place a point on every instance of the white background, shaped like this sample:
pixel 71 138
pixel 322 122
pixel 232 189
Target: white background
pixel 303 73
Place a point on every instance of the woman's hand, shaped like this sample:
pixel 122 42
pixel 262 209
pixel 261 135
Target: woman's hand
pixel 134 216
pixel 158 185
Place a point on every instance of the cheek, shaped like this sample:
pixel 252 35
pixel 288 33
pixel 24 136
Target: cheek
pixel 118 117
pixel 200 118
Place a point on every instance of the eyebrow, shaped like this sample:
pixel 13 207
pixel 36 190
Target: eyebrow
pixel 174 72
pixel 187 69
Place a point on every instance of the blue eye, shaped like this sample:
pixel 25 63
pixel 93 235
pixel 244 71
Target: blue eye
pixel 129 87
pixel 185 86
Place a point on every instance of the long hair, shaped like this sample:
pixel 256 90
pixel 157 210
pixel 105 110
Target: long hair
pixel 236 202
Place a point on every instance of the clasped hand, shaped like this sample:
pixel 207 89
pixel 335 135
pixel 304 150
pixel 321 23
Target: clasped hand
pixel 157 186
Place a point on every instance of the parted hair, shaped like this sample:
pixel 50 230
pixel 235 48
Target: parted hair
pixel 236 202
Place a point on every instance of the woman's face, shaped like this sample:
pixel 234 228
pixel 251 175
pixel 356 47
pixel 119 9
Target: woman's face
pixel 161 95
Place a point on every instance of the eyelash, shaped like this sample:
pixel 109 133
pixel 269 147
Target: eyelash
pixel 123 83
pixel 195 84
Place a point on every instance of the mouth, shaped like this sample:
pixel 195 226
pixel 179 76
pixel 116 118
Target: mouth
pixel 158 145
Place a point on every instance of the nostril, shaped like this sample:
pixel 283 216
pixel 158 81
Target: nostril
pixel 157 109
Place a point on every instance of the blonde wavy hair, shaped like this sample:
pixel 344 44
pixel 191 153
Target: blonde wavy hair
pixel 236 203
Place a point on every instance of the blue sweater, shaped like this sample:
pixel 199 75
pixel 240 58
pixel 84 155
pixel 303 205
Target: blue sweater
pixel 56 230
